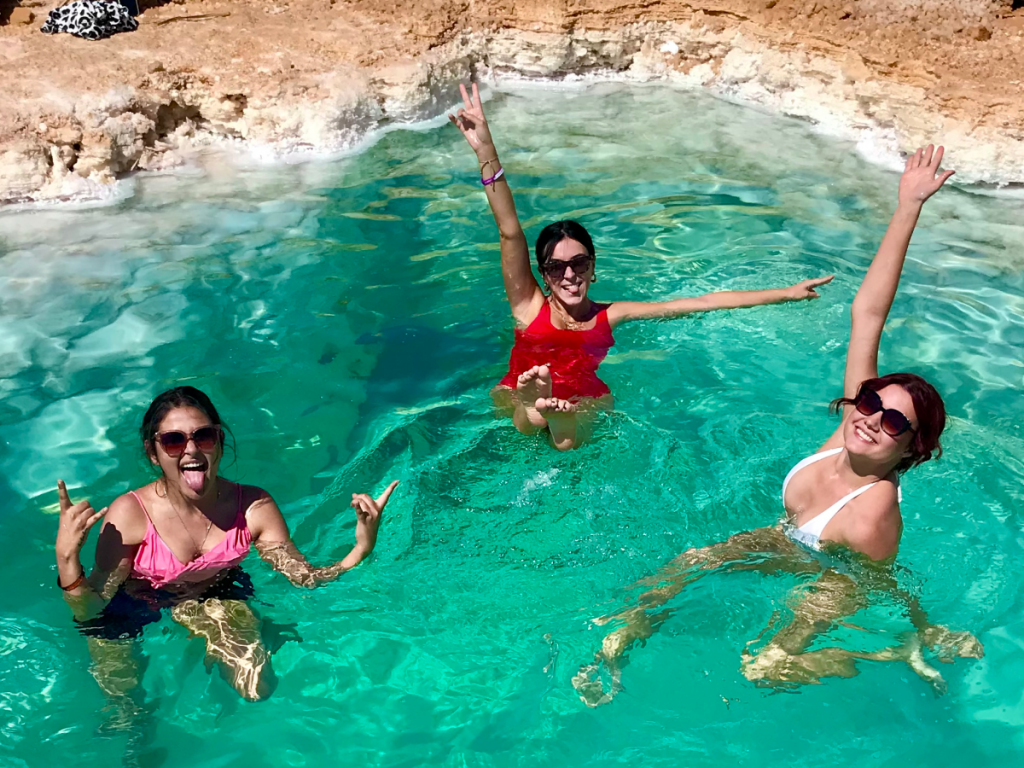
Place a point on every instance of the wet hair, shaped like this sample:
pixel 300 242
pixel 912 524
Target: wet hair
pixel 555 233
pixel 930 410
pixel 165 402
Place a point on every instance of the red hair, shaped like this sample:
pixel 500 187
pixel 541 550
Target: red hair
pixel 930 410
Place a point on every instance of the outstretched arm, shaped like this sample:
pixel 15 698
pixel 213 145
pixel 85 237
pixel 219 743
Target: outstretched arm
pixel 921 179
pixel 621 311
pixel 524 294
pixel 275 545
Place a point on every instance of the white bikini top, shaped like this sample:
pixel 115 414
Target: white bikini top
pixel 809 534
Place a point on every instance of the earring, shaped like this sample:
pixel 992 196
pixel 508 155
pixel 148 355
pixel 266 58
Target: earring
pixel 594 278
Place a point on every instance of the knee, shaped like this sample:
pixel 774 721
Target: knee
pixel 260 686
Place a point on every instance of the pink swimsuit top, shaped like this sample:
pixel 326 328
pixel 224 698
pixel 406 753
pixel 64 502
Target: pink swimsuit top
pixel 157 564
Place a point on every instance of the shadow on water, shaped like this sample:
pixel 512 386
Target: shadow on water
pixel 417 365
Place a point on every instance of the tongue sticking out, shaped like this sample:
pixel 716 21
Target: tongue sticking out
pixel 195 479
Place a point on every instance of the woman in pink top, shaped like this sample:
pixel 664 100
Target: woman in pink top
pixel 177 543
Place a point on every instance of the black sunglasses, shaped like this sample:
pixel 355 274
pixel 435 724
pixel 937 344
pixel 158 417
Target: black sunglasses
pixel 894 423
pixel 554 268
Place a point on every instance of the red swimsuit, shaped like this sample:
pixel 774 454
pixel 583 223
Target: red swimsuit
pixel 573 356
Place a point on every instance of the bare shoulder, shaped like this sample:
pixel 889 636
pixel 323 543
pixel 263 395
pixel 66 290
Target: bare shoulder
pixel 526 310
pixel 254 499
pixel 879 505
pixel 876 524
pixel 126 516
pixel 262 515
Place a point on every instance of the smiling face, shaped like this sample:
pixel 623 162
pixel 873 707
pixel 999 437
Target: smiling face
pixel 194 472
pixel 865 437
pixel 569 271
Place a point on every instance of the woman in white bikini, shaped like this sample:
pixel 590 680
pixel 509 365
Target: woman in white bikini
pixel 845 495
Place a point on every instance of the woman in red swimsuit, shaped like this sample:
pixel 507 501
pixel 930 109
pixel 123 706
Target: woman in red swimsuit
pixel 562 336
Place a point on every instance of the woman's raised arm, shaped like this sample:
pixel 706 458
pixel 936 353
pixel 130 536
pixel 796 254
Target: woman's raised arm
pixel 524 294
pixel 275 545
pixel 115 552
pixel 921 179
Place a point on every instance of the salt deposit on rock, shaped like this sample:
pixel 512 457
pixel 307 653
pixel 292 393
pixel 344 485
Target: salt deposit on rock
pixel 320 76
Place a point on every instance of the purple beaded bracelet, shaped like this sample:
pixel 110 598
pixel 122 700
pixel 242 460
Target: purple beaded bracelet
pixel 494 178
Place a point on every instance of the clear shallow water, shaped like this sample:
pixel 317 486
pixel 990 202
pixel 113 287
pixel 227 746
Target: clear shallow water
pixel 349 321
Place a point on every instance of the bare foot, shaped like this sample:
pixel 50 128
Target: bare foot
pixel 911 653
pixel 590 687
pixel 561 419
pixel 948 644
pixel 534 385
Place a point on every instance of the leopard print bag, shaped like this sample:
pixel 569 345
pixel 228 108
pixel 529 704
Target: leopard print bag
pixel 90 19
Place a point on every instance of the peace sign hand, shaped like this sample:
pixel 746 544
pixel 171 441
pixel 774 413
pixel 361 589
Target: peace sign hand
pixel 368 515
pixel 922 176
pixel 75 522
pixel 805 290
pixel 471 121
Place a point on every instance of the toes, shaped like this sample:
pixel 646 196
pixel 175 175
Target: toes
pixel 529 375
pixel 554 405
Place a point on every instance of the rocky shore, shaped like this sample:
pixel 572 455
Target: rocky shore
pixel 318 75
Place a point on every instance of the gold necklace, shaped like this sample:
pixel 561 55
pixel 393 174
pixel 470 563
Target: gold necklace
pixel 199 548
pixel 209 525
pixel 570 324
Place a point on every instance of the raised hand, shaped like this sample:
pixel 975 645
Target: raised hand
pixel 805 290
pixel 471 121
pixel 75 522
pixel 368 516
pixel 922 176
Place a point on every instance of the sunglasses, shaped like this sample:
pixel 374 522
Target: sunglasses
pixel 175 442
pixel 554 268
pixel 894 423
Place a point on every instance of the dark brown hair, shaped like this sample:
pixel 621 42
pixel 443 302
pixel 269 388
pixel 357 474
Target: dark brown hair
pixel 930 410
pixel 555 233
pixel 165 402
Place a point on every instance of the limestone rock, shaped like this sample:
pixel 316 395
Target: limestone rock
pixel 888 72
pixel 21 16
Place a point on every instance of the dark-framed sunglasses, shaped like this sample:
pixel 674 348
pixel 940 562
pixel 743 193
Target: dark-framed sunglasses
pixel 555 269
pixel 174 442
pixel 894 423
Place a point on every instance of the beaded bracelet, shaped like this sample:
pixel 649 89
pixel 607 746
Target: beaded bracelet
pixel 494 178
pixel 77 582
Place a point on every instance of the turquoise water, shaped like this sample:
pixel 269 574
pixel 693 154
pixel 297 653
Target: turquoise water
pixel 348 319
